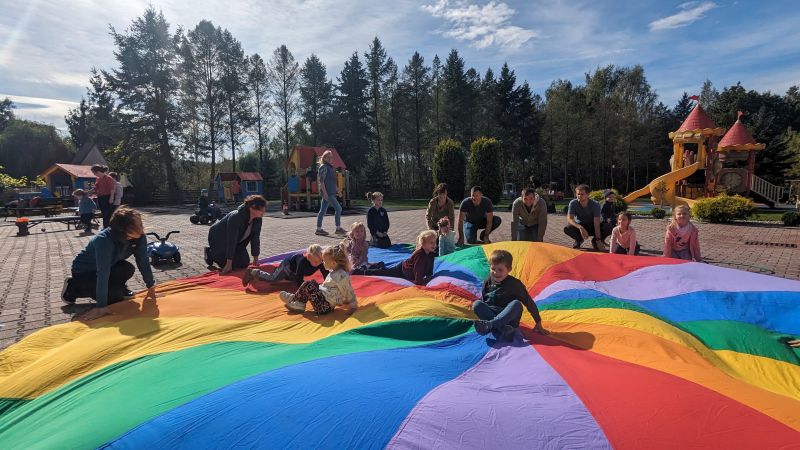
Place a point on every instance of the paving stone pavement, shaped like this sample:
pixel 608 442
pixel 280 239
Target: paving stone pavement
pixel 32 268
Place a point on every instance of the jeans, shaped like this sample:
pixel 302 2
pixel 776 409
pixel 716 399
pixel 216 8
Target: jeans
pixel 471 229
pixel 624 251
pixel 510 315
pixel 281 273
pixel 84 284
pixel 105 208
pixel 86 220
pixel 525 233
pixel 393 271
pixel 381 242
pixel 575 233
pixel 323 208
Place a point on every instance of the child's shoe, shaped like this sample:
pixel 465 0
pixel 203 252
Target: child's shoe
pixel 482 327
pixel 321 232
pixel 287 297
pixel 247 277
pixel 340 231
pixel 297 306
pixel 508 332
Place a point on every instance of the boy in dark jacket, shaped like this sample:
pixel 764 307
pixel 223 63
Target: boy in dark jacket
pixel 295 267
pixel 500 308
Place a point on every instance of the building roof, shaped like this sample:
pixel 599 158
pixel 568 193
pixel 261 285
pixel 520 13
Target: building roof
pixel 738 138
pixel 697 120
pixel 244 176
pixel 75 170
pixel 89 154
pixel 309 154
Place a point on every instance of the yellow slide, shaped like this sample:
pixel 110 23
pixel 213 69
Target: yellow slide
pixel 662 189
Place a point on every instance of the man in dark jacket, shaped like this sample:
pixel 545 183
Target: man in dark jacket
pixel 228 238
pixel 100 271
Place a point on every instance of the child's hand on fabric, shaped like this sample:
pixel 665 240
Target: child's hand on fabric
pixel 538 328
pixel 151 293
pixel 228 268
pixel 794 343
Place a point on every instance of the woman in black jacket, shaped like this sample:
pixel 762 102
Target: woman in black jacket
pixel 228 238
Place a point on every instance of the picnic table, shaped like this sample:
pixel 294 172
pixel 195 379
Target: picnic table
pixel 25 225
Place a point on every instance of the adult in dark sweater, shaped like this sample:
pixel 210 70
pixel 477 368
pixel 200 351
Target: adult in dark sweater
pixel 418 268
pixel 295 267
pixel 608 213
pixel 584 220
pixel 500 309
pixel 475 213
pixel 100 270
pixel 378 221
pixel 228 238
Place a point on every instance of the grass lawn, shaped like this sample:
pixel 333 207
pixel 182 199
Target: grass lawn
pixel 774 216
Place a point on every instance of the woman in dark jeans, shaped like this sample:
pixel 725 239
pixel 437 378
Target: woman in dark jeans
pixel 228 238
pixel 104 186
pixel 101 270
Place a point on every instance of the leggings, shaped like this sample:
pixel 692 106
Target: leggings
pixel 309 293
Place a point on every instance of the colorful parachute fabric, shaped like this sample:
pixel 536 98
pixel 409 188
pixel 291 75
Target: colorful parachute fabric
pixel 644 353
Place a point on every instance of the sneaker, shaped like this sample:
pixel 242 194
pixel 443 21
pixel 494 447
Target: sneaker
pixel 287 297
pixel 128 294
pixel 340 231
pixel 321 232
pixel 577 244
pixel 66 291
pixel 247 277
pixel 482 327
pixel 294 305
pixel 508 332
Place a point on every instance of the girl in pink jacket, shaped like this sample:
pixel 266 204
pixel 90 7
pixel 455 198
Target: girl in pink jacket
pixel 681 240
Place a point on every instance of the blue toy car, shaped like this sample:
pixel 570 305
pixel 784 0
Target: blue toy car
pixel 162 250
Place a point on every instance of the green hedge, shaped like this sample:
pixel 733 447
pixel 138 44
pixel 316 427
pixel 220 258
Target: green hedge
pixel 791 219
pixel 449 165
pixel 599 197
pixel 723 208
pixel 484 167
pixel 658 213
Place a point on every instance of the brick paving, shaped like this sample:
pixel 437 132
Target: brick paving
pixel 32 268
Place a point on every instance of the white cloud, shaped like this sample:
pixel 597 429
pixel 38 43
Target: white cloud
pixel 47 110
pixel 481 26
pixel 691 12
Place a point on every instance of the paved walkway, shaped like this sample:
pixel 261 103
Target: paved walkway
pixel 32 268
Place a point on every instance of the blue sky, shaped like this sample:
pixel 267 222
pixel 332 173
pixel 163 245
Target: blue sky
pixel 47 47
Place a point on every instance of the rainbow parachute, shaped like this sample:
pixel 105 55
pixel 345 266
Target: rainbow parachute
pixel 644 353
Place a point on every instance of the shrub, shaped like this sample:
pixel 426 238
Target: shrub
pixel 791 219
pixel 599 197
pixel 484 167
pixel 658 213
pixel 723 208
pixel 449 164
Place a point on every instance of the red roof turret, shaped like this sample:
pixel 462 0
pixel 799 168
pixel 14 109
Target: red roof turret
pixel 697 120
pixel 739 138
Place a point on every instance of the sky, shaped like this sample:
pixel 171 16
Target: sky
pixel 48 47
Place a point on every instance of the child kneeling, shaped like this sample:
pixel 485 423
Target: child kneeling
pixel 335 291
pixel 295 267
pixel 500 309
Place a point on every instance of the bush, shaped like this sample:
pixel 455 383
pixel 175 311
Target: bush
pixel 599 197
pixel 449 165
pixel 791 219
pixel 723 208
pixel 658 213
pixel 484 167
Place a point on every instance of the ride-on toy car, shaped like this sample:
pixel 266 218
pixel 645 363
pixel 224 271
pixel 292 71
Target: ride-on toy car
pixel 212 215
pixel 162 250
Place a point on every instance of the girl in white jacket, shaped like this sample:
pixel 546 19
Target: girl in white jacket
pixel 335 291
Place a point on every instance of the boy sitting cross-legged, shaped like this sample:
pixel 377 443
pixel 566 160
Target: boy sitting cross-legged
pixel 500 308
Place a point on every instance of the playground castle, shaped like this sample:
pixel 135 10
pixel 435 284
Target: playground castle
pixel 707 161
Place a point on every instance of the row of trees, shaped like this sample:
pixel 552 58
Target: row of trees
pixel 179 103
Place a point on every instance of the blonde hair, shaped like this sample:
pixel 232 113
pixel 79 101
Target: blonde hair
pixel 427 234
pixel 354 227
pixel 338 255
pixel 372 196
pixel 314 249
pixel 673 223
pixel 323 155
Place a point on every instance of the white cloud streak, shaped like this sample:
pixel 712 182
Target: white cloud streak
pixel 690 13
pixel 481 26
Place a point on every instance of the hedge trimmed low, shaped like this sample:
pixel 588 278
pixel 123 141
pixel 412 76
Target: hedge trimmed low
pixel 723 208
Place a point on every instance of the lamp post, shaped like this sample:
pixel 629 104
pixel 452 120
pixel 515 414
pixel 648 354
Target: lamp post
pixel 612 175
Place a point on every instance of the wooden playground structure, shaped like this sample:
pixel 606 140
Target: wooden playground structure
pixel 301 191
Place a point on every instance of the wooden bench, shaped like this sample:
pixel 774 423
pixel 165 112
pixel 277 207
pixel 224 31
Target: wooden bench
pixel 47 211
pixel 24 227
